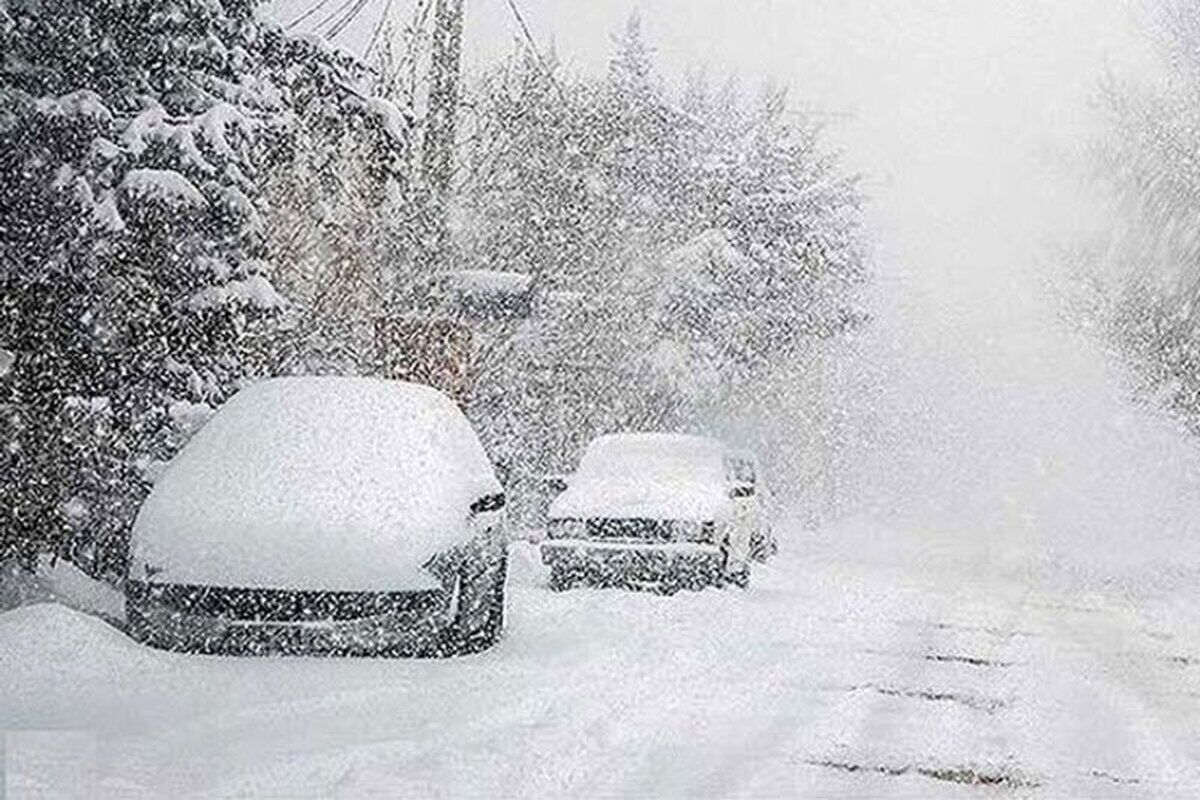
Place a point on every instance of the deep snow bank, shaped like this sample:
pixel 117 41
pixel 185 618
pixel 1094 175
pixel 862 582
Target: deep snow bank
pixel 58 580
pixel 860 664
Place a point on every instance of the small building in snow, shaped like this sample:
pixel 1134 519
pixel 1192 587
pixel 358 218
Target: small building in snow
pixel 484 295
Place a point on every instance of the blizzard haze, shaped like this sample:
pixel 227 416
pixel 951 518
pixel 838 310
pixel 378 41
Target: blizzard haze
pixel 972 406
pixel 955 112
pixel 982 577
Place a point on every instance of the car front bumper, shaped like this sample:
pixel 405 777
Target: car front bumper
pixel 464 616
pixel 413 633
pixel 625 562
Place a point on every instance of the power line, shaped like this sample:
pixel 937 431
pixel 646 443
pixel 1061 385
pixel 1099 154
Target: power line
pixel 340 18
pixel 353 13
pixel 512 4
pixel 540 274
pixel 316 7
pixel 387 10
pixel 333 14
pixel 416 32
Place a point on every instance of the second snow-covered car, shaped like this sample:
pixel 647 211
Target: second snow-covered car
pixel 666 510
pixel 323 516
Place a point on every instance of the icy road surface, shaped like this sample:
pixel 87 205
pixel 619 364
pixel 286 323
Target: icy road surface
pixel 859 665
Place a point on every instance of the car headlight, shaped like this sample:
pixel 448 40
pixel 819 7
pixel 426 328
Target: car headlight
pixel 446 566
pixel 567 529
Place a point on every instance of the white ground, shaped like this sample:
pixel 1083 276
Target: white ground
pixel 863 663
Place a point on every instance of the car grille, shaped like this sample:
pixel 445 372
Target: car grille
pixel 640 530
pixel 283 605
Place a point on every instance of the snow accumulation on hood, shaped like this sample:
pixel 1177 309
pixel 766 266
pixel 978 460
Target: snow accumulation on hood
pixel 647 476
pixel 316 483
pixel 487 281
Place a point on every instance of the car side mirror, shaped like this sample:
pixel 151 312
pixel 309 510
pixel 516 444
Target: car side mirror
pixel 556 484
pixel 489 502
pixel 741 490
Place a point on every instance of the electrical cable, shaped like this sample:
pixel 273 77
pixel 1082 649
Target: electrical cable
pixel 383 18
pixel 512 4
pixel 335 16
pixel 317 7
pixel 336 29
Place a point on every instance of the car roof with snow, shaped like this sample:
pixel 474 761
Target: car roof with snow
pixel 316 483
pixel 647 475
pixel 616 452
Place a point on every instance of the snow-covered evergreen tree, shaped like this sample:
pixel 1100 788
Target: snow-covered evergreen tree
pixel 699 242
pixel 139 139
pixel 1146 269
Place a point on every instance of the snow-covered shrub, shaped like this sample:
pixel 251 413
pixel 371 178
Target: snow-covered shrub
pixel 1143 276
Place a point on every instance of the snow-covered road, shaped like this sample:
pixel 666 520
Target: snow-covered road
pixel 862 663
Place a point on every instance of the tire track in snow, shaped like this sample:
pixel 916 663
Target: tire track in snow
pixel 1123 725
pixel 800 723
pixel 902 737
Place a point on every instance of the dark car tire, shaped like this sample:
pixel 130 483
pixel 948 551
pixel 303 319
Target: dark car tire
pixel 493 624
pixel 740 579
pixel 479 618
pixel 138 627
pixel 561 578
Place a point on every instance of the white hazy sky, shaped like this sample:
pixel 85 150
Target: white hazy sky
pixel 949 102
pixel 974 391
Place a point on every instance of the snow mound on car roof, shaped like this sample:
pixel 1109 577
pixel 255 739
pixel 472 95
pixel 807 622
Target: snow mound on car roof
pixel 647 476
pixel 315 483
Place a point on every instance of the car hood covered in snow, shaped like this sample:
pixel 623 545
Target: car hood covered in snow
pixel 315 483
pixel 647 476
pixel 629 500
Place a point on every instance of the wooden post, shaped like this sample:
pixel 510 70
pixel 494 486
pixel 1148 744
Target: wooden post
pixel 440 123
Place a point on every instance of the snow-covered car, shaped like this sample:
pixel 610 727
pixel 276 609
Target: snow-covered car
pixel 659 509
pixel 323 516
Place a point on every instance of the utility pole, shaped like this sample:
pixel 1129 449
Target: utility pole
pixel 425 349
pixel 437 158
